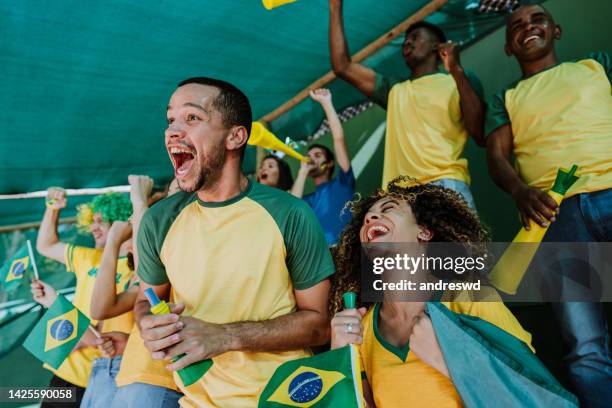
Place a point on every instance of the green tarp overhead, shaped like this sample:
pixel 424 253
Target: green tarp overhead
pixel 84 84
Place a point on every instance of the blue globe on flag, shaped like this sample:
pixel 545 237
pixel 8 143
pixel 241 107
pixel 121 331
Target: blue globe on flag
pixel 19 269
pixel 305 387
pixel 61 329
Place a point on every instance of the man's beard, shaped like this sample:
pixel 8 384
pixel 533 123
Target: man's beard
pixel 213 165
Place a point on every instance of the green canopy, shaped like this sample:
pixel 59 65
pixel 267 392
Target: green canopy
pixel 85 84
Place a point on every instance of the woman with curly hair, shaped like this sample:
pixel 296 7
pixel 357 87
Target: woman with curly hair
pixel 419 354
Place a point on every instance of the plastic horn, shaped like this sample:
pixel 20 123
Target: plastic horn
pixel 270 4
pixel 262 137
pixel 509 271
pixel 193 372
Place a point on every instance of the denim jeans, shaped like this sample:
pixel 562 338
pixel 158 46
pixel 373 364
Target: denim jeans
pixel 101 387
pixel 460 187
pixel 585 218
pixel 138 395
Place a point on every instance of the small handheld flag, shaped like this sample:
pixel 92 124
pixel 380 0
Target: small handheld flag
pixel 57 332
pixel 14 270
pixel 31 252
pixel 327 380
pixel 508 273
pixel 193 372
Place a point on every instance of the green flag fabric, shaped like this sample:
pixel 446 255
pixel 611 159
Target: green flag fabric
pixel 509 374
pixel 328 379
pixel 56 334
pixel 14 270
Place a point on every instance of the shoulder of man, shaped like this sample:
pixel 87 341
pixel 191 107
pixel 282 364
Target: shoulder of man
pixel 497 114
pixel 154 226
pixel 275 200
pixel 382 88
pixel 308 258
pixel 603 59
pixel 81 258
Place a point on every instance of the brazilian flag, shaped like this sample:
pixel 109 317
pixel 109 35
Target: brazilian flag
pixel 14 270
pixel 509 373
pixel 57 332
pixel 330 379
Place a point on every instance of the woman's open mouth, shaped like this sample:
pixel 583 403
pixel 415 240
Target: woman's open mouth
pixel 376 231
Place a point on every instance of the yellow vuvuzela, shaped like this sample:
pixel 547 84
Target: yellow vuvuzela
pixel 511 267
pixel 262 137
pixel 270 4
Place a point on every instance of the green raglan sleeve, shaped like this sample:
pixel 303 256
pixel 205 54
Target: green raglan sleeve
pixel 308 258
pixel 382 88
pixel 497 115
pixel 150 267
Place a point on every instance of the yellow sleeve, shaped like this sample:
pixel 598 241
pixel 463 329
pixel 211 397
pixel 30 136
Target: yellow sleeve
pixel 495 313
pixel 80 260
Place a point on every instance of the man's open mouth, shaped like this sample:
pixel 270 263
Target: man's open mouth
pixel 533 37
pixel 182 158
pixel 376 231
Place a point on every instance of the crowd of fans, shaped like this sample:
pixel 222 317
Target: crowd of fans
pixel 247 265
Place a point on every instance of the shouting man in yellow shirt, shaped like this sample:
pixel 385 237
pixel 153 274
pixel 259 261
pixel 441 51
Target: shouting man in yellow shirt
pixel 247 264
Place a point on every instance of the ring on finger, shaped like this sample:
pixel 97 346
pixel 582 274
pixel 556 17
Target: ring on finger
pixel 349 327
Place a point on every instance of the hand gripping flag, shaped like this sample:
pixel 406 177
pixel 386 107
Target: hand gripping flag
pixel 508 272
pixel 57 332
pixel 14 270
pixel 331 379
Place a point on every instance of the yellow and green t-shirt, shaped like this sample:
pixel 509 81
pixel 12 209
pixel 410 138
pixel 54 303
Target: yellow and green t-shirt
pixel 425 128
pixel 398 378
pixel 84 262
pixel 137 365
pixel 232 261
pixel 559 117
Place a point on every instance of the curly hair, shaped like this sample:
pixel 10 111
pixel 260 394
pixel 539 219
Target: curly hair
pixel 111 206
pixel 443 211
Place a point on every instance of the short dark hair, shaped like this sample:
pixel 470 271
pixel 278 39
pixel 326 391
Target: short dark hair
pixel 432 28
pixel 285 178
pixel 231 102
pixel 522 6
pixel 329 155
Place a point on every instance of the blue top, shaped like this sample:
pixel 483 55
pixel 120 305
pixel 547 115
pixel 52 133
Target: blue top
pixel 329 200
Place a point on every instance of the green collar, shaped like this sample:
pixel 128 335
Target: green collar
pixel 231 201
pixel 401 353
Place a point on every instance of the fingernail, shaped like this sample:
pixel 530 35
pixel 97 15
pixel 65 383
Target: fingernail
pixel 175 337
pixel 180 325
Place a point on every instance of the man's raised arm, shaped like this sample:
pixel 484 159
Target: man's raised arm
pixel 47 242
pixel 360 76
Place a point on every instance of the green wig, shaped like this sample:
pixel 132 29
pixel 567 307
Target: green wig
pixel 111 206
